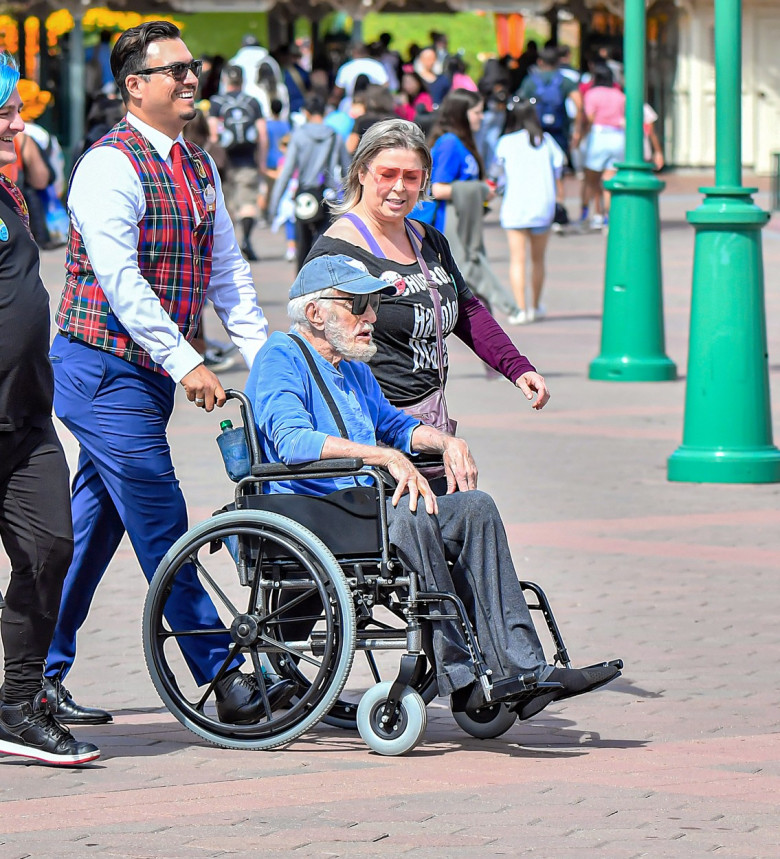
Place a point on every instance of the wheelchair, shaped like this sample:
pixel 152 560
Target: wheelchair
pixel 303 584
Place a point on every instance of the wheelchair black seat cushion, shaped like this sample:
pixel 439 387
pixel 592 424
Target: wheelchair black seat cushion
pixel 347 520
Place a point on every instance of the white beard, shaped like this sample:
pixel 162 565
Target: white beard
pixel 345 344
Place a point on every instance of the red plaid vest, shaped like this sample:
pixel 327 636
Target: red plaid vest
pixel 174 255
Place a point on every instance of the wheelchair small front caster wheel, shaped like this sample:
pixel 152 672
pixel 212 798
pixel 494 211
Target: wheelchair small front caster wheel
pixel 487 723
pixel 408 729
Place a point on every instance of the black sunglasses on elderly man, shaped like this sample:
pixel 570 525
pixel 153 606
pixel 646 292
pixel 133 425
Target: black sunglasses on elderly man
pixel 359 302
pixel 178 71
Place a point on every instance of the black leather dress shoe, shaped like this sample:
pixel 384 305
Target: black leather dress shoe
pixel 239 701
pixel 68 711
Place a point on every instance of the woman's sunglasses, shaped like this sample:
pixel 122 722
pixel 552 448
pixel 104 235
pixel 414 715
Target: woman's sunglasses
pixel 178 71
pixel 359 302
pixel 412 179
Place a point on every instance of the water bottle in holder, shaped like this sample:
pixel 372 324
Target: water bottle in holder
pixel 235 454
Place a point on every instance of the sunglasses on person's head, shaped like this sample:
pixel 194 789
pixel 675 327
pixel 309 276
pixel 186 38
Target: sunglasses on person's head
pixel 178 71
pixel 359 302
pixel 412 179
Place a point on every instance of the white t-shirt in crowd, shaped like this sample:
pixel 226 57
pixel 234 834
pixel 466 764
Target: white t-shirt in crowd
pixel 529 175
pixel 351 70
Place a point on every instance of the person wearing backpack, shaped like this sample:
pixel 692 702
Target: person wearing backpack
pixel 236 122
pixel 316 153
pixel 548 88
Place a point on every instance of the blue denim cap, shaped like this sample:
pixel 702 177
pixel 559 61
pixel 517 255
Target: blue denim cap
pixel 338 272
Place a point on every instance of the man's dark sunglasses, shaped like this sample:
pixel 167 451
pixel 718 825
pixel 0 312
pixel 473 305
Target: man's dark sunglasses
pixel 359 302
pixel 178 71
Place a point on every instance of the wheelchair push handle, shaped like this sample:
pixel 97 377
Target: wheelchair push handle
pixel 250 430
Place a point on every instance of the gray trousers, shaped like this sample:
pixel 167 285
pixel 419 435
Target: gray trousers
pixel 468 533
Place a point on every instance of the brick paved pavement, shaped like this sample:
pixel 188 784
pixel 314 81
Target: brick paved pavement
pixel 679 758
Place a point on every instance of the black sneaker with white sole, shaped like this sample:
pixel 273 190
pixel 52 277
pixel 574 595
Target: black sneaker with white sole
pixel 29 730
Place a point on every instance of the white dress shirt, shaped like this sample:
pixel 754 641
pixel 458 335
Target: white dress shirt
pixel 107 204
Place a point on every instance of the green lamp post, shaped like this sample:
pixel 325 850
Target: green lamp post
pixel 632 328
pixel 727 435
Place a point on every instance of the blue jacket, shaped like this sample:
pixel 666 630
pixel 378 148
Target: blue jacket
pixel 293 419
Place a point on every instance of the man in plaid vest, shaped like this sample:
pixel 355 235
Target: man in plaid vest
pixel 150 239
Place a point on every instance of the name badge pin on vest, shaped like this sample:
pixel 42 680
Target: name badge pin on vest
pixel 210 198
pixel 3 231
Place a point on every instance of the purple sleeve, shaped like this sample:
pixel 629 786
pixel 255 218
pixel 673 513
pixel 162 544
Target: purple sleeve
pixel 483 335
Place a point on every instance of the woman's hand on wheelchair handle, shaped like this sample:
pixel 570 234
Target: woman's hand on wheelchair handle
pixel 530 383
pixel 459 465
pixel 408 478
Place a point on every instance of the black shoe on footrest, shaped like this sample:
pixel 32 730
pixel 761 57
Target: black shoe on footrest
pixel 594 677
pixel 507 690
pixel 67 711
pixel 570 682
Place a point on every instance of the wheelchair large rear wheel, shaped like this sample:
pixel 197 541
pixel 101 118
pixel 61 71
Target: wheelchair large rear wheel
pixel 228 567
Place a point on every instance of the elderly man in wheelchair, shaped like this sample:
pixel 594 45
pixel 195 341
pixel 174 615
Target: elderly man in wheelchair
pixel 327 434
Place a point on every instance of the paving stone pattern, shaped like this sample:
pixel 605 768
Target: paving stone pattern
pixel 678 758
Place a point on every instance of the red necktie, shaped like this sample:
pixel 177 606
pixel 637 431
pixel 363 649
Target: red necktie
pixel 180 180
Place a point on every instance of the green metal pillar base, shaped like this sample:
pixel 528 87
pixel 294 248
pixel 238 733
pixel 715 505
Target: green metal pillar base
pixel 727 436
pixel 694 465
pixel 628 368
pixel 632 328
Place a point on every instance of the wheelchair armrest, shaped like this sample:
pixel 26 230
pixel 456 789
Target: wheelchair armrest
pixel 426 460
pixel 278 469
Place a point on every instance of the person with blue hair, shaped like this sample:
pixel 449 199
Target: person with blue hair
pixel 35 522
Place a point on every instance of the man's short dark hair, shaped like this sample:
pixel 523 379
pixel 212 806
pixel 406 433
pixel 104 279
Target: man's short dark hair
pixel 549 56
pixel 314 105
pixel 129 54
pixel 234 75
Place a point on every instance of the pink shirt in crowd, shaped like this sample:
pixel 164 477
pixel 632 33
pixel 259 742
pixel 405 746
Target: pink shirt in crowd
pixel 606 106
pixel 461 81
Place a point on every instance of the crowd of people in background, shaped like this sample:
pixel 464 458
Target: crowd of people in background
pixel 282 126
pixel 536 113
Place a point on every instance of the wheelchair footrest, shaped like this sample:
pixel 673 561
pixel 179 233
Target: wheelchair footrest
pixel 542 688
pixel 615 663
pixel 509 687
